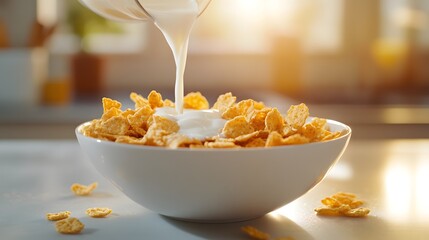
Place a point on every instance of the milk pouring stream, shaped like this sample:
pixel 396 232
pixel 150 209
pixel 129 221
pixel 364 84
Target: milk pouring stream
pixel 175 19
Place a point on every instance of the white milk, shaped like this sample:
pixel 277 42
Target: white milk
pixel 175 19
pixel 199 124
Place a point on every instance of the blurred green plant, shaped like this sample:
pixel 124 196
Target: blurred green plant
pixel 84 23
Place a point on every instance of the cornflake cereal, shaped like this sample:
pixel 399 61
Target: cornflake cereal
pixel 58 216
pixel 342 204
pixel 255 233
pixel 195 100
pixel 249 124
pixel 82 190
pixel 69 226
pixel 98 212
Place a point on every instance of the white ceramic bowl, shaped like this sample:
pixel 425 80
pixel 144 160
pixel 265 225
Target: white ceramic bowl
pixel 214 185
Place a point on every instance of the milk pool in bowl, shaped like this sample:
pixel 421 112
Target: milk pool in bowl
pixel 214 185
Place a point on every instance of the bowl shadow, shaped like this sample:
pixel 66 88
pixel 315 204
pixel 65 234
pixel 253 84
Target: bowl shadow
pixel 277 227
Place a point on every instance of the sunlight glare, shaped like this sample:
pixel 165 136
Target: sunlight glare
pixel 47 12
pixel 397 181
pixel 422 193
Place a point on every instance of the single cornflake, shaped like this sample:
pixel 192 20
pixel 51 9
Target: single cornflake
pixel 274 121
pixel 357 212
pixel 82 190
pixel 274 139
pixel 297 115
pixel 331 135
pixel 139 100
pixel 242 108
pixel 127 113
pixel 98 212
pixel 356 203
pixel 165 124
pixel 58 216
pixel 116 126
pixel 257 142
pixel 155 138
pixel 314 130
pixel 69 226
pixel 159 127
pixel 110 103
pixel 220 145
pixel 331 202
pixel 344 198
pixel 288 131
pixel 237 127
pixel 246 137
pixel 257 118
pixel 155 99
pixel 255 233
pixel 130 140
pixel 176 140
pixel 168 103
pixel 258 105
pixel 295 139
pixel 138 121
pixel 328 211
pixel 110 113
pixel 195 100
pixel 90 130
pixel 224 102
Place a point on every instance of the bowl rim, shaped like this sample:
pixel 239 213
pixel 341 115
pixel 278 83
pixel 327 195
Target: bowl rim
pixel 345 134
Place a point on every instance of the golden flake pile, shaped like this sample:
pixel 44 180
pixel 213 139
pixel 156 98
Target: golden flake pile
pixel 342 204
pixel 249 124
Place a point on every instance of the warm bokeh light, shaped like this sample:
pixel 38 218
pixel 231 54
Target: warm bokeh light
pixel 292 211
pixel 405 181
pixel 342 171
pixel 422 192
pixel 47 13
pixel 324 51
pixel 259 22
pixel 397 182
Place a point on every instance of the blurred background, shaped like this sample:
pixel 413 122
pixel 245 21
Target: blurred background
pixel 365 62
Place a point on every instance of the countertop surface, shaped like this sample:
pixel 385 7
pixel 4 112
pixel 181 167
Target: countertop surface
pixel 390 175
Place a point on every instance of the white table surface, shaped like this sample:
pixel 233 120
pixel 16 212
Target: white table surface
pixel 392 176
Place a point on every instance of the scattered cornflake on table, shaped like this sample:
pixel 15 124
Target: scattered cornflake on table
pixel 342 204
pixel 82 190
pixel 254 233
pixel 58 216
pixel 69 226
pixel 98 212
